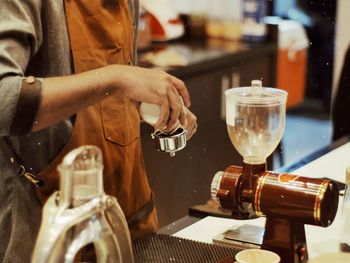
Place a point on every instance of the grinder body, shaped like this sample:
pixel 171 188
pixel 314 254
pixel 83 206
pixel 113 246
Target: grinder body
pixel 287 201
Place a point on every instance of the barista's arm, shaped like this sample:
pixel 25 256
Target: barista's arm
pixel 46 101
pixel 64 96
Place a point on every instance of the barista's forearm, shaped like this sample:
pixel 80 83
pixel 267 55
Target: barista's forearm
pixel 65 96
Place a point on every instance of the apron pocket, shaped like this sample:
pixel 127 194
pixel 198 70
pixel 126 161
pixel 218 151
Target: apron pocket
pixel 95 58
pixel 120 120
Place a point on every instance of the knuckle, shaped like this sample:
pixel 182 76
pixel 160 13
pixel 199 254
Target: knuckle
pixel 165 76
pixel 182 84
pixel 163 94
pixel 177 108
pixel 166 111
pixel 159 71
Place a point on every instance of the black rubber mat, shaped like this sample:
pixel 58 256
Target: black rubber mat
pixel 164 248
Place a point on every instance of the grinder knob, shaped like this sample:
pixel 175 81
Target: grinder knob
pixel 215 186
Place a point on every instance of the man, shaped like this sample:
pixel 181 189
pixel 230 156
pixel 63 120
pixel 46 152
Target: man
pixel 46 110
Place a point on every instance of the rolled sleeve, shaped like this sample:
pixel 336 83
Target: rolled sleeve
pixel 27 107
pixel 20 39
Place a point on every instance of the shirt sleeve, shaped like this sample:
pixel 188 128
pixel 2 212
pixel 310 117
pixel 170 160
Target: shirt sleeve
pixel 20 39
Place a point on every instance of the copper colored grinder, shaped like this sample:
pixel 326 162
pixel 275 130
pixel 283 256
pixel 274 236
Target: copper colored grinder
pixel 287 201
pixel 255 118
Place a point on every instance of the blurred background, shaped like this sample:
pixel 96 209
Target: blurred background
pixel 295 45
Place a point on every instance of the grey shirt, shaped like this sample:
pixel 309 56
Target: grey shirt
pixel 33 41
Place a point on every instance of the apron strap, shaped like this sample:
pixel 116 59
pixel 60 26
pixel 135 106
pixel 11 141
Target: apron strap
pixel 15 165
pixel 142 213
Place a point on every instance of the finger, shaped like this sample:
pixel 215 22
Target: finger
pixel 192 123
pixel 183 116
pixel 161 124
pixel 189 135
pixel 192 131
pixel 182 90
pixel 138 104
pixel 175 108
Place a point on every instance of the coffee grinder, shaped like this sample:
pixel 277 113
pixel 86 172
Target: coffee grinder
pixel 255 118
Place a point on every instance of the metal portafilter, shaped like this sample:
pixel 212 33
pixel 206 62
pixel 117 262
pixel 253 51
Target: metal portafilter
pixel 255 118
pixel 169 142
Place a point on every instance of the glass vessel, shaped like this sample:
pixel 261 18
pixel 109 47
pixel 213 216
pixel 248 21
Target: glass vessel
pixel 80 213
pixel 255 118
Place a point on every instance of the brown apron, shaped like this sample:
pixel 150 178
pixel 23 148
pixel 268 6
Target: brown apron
pixel 100 35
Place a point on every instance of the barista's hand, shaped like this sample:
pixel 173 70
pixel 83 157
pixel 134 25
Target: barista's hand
pixel 190 123
pixel 153 86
